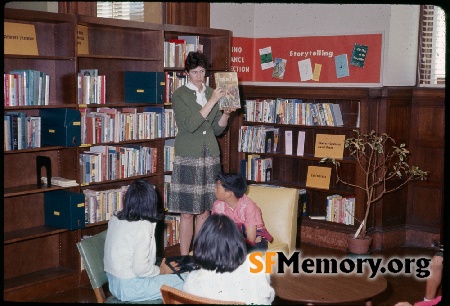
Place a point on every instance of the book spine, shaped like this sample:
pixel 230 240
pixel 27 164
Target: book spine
pixel 14 133
pixel 7 133
pixel 47 90
pixel 12 90
pixel 6 86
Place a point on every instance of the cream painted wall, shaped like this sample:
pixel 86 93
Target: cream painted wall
pixel 398 23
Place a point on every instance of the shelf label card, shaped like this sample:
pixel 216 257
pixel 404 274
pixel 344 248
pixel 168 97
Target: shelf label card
pixel 82 40
pixel 331 146
pixel 20 39
pixel 318 177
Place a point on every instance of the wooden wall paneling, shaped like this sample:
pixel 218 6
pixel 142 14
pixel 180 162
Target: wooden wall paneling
pixel 78 7
pixel 427 144
pixel 389 114
pixel 398 119
pixel 234 124
pixel 195 14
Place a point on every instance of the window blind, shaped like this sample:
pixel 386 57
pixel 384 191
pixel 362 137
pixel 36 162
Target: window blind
pixel 121 10
pixel 432 46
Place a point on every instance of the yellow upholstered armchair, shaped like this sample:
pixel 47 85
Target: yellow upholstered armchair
pixel 279 207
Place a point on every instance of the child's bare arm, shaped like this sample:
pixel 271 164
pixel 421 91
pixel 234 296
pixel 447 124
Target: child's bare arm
pixel 251 234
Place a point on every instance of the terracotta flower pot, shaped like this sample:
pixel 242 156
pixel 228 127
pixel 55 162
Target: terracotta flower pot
pixel 358 245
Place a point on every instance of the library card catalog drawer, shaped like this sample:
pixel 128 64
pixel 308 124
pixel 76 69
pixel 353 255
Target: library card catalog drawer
pixel 144 87
pixel 60 127
pixel 64 209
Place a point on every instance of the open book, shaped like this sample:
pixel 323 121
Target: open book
pixel 228 81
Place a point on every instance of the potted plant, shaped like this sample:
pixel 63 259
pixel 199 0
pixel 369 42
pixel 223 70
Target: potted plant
pixel 381 161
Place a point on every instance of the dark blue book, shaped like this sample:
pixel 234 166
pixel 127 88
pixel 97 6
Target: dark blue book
pixel 144 87
pixel 64 209
pixel 243 168
pixel 60 127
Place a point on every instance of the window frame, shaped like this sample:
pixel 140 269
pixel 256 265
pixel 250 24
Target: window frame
pixel 425 70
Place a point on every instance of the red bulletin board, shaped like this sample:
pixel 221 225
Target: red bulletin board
pixel 245 58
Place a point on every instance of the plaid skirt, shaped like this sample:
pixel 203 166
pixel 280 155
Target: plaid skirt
pixel 193 183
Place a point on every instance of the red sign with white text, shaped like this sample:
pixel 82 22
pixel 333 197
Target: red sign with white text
pixel 313 59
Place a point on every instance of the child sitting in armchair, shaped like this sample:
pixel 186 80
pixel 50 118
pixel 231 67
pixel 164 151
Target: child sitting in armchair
pixel 233 202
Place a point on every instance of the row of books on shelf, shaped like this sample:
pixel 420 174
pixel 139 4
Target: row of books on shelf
pixel 91 87
pixel 171 231
pixel 23 87
pixel 258 139
pixel 176 50
pixel 339 210
pixel 114 125
pixel 293 111
pixel 100 205
pixel 173 81
pixel 256 168
pixel 169 154
pixel 170 125
pixel 102 163
pixel 21 131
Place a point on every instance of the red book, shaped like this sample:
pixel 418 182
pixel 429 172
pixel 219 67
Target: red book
pixel 98 129
pixel 178 41
pixel 89 129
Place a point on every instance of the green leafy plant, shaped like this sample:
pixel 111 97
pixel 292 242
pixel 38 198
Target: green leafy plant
pixel 381 160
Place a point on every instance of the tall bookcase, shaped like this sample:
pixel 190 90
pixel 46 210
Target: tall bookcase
pixel 116 46
pixel 40 260
pixel 291 170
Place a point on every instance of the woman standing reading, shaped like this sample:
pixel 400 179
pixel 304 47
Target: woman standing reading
pixel 197 154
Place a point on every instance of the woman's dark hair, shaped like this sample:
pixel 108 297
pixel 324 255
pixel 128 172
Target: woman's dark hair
pixel 140 203
pixel 194 60
pixel 233 182
pixel 219 245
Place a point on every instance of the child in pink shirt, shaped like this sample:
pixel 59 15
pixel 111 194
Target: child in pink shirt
pixel 232 201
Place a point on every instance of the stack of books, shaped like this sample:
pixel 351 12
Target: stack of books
pixel 60 181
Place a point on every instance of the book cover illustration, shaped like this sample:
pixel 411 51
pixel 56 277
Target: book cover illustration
pixel 301 143
pixel 359 55
pixel 228 81
pixel 265 54
pixel 279 68
pixel 269 141
pixel 316 73
pixel 341 66
pixel 304 67
pixel 288 142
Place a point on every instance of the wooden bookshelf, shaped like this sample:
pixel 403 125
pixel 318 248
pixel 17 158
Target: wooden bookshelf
pixel 291 170
pixel 115 46
pixel 399 219
pixel 38 259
